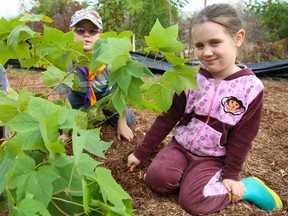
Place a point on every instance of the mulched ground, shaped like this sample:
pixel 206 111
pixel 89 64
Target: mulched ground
pixel 268 159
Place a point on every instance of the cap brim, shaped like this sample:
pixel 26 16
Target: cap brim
pixel 85 18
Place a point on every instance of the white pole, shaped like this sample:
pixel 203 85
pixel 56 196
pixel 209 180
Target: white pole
pixel 133 43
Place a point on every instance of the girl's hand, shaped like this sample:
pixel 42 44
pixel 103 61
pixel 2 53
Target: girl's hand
pixel 237 189
pixel 133 162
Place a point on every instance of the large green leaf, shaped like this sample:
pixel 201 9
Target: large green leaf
pixel 30 124
pixel 122 77
pixel 49 131
pixel 161 96
pixel 174 59
pixel 58 48
pixel 5 28
pixel 181 78
pixel 70 180
pixel 20 33
pixel 8 107
pixel 39 107
pixel 10 53
pixel 35 18
pixel 5 165
pixel 12 104
pixel 30 207
pixel 86 164
pixel 134 91
pixel 28 131
pixel 53 76
pixel 117 53
pixel 91 141
pixel 117 100
pixel 165 40
pixel 26 180
pixel 110 190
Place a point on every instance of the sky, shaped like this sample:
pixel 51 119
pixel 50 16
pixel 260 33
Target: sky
pixel 10 8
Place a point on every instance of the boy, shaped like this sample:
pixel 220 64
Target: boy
pixel 87 27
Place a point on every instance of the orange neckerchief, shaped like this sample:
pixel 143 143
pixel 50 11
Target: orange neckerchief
pixel 90 97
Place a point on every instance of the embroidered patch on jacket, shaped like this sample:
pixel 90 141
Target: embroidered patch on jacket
pixel 233 105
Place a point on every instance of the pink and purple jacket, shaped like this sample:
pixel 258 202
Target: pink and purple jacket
pixel 220 119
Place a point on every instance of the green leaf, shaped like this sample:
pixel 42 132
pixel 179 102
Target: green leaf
pixel 110 34
pixel 127 34
pixel 134 92
pixel 10 53
pixel 13 147
pixel 181 78
pixel 117 53
pixel 19 33
pixel 7 112
pixel 8 107
pixel 110 190
pixel 28 127
pixel 5 28
pixel 58 48
pixel 86 164
pixel 165 40
pixel 161 96
pixel 174 59
pixel 117 100
pixel 30 206
pixel 70 180
pixel 26 180
pixel 23 99
pixel 35 18
pixel 20 174
pixel 113 34
pixel 5 166
pixel 22 51
pixel 122 77
pixel 39 107
pixel 92 142
pixel 50 134
pixel 28 132
pixel 53 76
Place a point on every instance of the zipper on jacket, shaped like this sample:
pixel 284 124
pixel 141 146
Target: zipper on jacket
pixel 217 84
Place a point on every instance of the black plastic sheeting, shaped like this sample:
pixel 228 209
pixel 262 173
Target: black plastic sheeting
pixel 277 69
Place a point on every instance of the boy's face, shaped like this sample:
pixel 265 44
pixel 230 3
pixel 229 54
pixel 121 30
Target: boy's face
pixel 86 31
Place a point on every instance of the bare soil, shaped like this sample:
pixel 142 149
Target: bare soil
pixel 268 159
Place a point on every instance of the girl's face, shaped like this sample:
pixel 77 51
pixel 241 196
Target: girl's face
pixel 217 49
pixel 86 31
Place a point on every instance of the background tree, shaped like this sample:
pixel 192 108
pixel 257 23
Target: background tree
pixel 137 16
pixel 273 16
pixel 59 10
pixel 118 15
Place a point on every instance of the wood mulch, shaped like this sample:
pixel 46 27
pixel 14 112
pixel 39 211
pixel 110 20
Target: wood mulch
pixel 267 160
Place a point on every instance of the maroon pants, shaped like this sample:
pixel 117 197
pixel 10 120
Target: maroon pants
pixel 197 178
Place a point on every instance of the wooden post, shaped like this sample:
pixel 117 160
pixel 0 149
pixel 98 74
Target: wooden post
pixel 133 42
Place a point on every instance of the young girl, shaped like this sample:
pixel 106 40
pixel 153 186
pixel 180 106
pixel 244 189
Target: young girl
pixel 87 26
pixel 215 125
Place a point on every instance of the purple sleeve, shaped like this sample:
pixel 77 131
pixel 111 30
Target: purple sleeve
pixel 240 139
pixel 161 127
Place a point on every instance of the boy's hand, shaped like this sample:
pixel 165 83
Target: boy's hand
pixel 236 187
pixel 133 162
pixel 123 129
